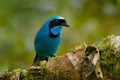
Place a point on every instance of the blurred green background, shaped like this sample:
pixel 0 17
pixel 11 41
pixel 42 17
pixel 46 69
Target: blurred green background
pixel 90 21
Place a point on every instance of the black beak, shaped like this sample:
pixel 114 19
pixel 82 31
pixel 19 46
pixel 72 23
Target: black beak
pixel 65 24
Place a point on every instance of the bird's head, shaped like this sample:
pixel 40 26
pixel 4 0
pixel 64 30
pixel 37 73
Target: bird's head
pixel 55 24
pixel 57 21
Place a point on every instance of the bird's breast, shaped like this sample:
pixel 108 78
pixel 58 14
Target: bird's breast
pixel 46 46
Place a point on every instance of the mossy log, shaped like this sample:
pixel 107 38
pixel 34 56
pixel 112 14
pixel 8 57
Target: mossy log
pixel 99 61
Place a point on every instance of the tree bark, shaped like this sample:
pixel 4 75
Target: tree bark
pixel 99 61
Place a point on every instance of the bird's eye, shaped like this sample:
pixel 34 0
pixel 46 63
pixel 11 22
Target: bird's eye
pixel 56 21
pixel 53 23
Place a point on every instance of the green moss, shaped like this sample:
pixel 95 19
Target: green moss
pixel 36 74
pixel 23 75
pixel 109 56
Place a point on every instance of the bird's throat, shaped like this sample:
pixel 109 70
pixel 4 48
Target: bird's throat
pixel 55 31
pixel 53 35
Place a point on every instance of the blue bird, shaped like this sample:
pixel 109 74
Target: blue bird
pixel 48 38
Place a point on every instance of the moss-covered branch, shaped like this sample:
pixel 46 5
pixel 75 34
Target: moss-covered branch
pixel 100 60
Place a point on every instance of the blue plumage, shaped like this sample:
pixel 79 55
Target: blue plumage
pixel 48 38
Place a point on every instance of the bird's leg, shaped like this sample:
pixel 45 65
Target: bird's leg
pixel 35 64
pixel 52 56
pixel 36 60
pixel 46 59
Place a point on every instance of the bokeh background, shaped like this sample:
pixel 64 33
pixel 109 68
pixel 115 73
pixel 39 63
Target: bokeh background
pixel 90 21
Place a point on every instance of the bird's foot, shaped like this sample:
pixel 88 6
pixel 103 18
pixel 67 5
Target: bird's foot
pixel 34 67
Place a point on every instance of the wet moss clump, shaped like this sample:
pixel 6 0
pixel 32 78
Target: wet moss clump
pixel 109 57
